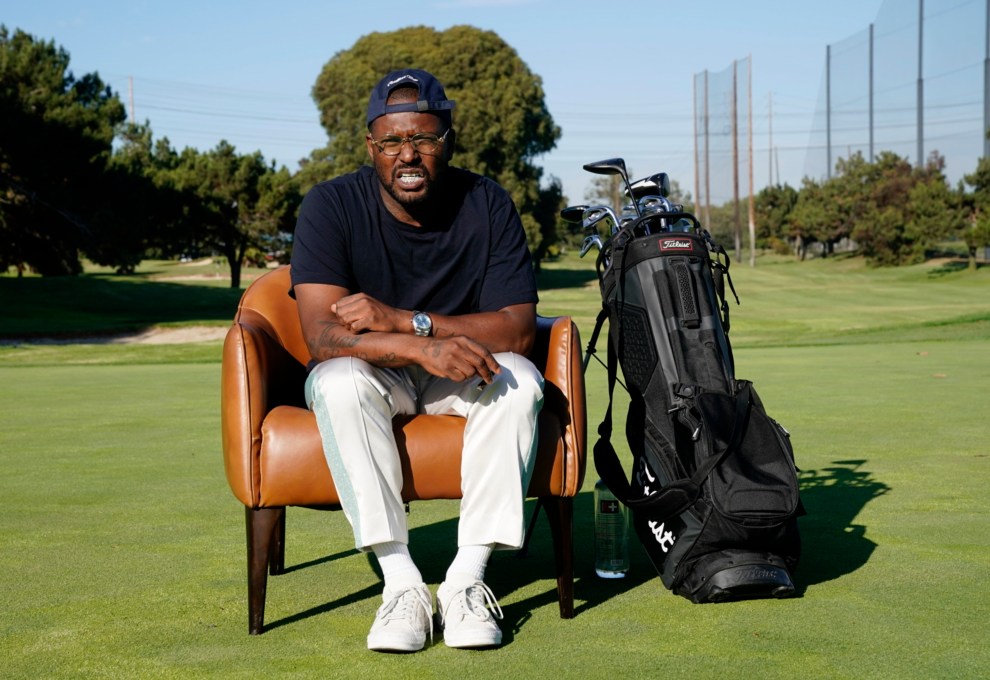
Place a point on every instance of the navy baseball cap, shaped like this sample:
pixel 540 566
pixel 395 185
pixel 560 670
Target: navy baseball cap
pixel 431 99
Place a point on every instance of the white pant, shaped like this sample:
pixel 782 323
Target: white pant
pixel 355 402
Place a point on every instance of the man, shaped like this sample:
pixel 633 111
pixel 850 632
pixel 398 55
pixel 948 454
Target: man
pixel 416 294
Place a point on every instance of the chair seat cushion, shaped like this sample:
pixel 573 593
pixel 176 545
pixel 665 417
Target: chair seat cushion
pixel 292 469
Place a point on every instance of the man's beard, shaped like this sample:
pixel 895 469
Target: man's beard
pixel 408 199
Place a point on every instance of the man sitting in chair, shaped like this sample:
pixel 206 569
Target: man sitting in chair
pixel 416 294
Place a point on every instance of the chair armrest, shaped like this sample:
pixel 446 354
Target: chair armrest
pixel 258 374
pixel 564 392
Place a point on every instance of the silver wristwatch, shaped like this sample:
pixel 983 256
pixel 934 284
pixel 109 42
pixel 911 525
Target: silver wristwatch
pixel 422 324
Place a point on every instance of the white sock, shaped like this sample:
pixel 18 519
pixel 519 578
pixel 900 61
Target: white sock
pixel 398 568
pixel 470 561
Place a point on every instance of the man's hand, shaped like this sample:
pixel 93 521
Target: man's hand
pixel 337 323
pixel 360 313
pixel 458 358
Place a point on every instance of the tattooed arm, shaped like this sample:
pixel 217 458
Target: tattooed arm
pixel 338 324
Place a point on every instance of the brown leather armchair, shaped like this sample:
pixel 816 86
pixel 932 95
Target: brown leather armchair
pixel 274 458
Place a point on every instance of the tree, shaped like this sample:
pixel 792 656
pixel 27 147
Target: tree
pixel 773 215
pixel 501 119
pixel 48 202
pixel 885 230
pixel 239 201
pixel 976 229
pixel 892 211
pixel 809 213
pixel 142 210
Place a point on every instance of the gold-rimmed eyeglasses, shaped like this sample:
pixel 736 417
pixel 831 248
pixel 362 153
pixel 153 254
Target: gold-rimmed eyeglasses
pixel 424 142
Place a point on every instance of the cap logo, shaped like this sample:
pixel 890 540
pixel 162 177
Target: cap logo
pixel 400 79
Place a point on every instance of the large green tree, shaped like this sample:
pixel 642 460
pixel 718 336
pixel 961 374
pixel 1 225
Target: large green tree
pixel 501 119
pixel 56 133
pixel 144 213
pixel 238 201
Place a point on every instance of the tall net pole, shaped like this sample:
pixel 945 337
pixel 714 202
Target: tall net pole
pixel 708 181
pixel 749 132
pixel 736 225
pixel 986 85
pixel 697 180
pixel 921 85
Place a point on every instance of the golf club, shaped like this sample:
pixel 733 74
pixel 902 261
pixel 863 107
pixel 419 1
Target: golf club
pixel 589 241
pixel 613 166
pixel 656 184
pixel 573 213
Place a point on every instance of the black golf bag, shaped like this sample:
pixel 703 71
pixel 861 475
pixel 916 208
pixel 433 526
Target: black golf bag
pixel 713 489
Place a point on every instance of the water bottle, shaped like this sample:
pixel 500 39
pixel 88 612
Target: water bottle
pixel 611 534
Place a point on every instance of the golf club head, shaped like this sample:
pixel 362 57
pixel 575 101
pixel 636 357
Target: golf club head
pixel 593 213
pixel 609 166
pixel 589 241
pixel 606 220
pixel 655 204
pixel 573 213
pixel 658 184
pixel 612 166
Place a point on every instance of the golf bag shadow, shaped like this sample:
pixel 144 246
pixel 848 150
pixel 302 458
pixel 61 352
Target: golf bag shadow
pixel 713 489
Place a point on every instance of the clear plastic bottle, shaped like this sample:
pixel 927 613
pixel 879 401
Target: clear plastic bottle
pixel 611 534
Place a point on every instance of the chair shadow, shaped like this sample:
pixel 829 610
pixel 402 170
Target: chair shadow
pixel 833 544
pixel 509 572
pixel 433 547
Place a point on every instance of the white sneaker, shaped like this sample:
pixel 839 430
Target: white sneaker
pixel 467 621
pixel 403 620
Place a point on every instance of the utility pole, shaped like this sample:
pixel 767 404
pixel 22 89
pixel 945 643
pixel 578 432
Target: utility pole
pixel 130 97
pixel 770 145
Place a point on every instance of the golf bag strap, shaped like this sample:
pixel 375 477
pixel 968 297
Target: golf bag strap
pixel 593 342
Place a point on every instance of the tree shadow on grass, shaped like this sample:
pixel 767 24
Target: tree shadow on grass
pixel 833 545
pixel 99 305
pixel 952 267
pixel 549 279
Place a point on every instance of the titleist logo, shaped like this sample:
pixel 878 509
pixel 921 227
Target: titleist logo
pixel 675 244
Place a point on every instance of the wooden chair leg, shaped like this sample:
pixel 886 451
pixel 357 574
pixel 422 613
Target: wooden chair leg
pixel 262 525
pixel 276 560
pixel 560 513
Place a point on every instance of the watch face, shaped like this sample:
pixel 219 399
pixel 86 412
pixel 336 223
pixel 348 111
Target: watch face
pixel 422 323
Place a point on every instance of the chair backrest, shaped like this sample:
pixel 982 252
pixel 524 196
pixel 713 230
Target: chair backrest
pixel 268 297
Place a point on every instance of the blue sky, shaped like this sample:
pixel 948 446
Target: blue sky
pixel 617 75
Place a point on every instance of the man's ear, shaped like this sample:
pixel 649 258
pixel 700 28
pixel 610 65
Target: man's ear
pixel 448 146
pixel 370 146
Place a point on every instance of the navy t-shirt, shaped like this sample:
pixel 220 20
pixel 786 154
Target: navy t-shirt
pixel 472 258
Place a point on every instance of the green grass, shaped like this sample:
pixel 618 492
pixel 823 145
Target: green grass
pixel 124 549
